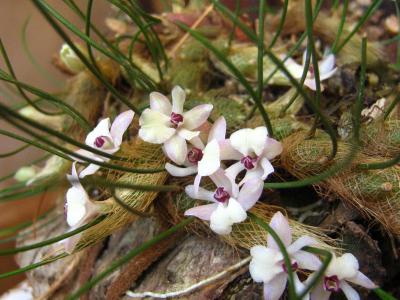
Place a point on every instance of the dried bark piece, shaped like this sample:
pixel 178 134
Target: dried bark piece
pixel 194 260
pixel 360 244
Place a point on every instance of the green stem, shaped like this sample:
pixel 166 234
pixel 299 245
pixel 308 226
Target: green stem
pixel 260 67
pixel 320 272
pixel 33 266
pixel 363 19
pixel 281 23
pixel 199 37
pixel 50 241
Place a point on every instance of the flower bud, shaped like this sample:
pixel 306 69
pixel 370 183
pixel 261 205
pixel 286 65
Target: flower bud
pixel 70 59
pixel 25 173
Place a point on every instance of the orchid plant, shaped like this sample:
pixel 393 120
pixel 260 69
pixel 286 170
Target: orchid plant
pixel 326 69
pixel 105 137
pixel 253 149
pixel 196 148
pixel 340 272
pixel 229 205
pixel 78 208
pixel 167 124
pixel 267 264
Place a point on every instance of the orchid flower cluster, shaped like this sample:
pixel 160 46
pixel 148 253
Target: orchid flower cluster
pixel 267 266
pixel 198 148
pixel 107 138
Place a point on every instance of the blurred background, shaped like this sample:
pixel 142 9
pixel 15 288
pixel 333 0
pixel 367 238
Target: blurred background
pixel 44 43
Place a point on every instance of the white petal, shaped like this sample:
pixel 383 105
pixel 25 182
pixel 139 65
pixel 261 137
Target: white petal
pixel 120 125
pixel 176 149
pixel 159 102
pixel 84 153
pixel 327 75
pixel 75 205
pixel 187 134
pixel 306 260
pixel 272 148
pixel 202 194
pixel 180 172
pixel 250 193
pixel 220 221
pixel 327 64
pixel 311 84
pixel 227 152
pixel 294 68
pixel 236 212
pixel 178 99
pixel 234 170
pixel 265 263
pixel 196 183
pixel 102 129
pixel 155 127
pixel 202 212
pixel 89 170
pixel 218 130
pixel 197 116
pixel 351 294
pixel 318 292
pixel 255 173
pixel 343 267
pixel 300 287
pixel 281 226
pixel 210 162
pixel 362 280
pixel 267 168
pixel 74 178
pixel 197 142
pixel 300 243
pixel 274 289
pixel 249 141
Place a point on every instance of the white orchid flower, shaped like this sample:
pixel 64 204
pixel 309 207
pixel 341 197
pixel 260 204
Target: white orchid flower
pixel 78 208
pixel 105 137
pixel 228 206
pixel 254 150
pixel 169 125
pixel 326 69
pixel 202 159
pixel 340 271
pixel 267 264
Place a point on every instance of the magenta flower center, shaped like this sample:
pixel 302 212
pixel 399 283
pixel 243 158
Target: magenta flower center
pixel 294 266
pixel 99 141
pixel 248 162
pixel 195 155
pixel 331 283
pixel 221 195
pixel 311 71
pixel 176 119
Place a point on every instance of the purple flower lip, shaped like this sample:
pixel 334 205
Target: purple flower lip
pixel 294 266
pixel 248 162
pixel 221 195
pixel 176 119
pixel 99 141
pixel 194 155
pixel 331 283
